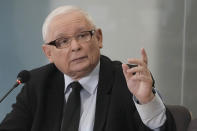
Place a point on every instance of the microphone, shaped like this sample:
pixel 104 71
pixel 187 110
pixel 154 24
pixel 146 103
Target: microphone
pixel 22 77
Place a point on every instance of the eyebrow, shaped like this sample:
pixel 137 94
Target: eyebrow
pixel 61 35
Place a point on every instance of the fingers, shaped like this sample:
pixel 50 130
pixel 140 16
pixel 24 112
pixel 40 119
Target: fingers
pixel 138 62
pixel 144 56
pixel 141 71
pixel 141 62
pixel 135 71
pixel 125 68
pixel 141 78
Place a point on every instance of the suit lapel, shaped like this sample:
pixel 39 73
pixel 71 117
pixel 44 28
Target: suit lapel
pixel 103 93
pixel 54 101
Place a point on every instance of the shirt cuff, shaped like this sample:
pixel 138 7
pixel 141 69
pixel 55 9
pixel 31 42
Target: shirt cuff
pixel 153 113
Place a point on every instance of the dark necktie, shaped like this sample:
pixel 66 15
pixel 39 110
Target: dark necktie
pixel 71 115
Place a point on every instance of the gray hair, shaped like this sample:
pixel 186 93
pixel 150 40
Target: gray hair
pixel 62 10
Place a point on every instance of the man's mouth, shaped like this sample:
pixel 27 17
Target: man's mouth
pixel 80 59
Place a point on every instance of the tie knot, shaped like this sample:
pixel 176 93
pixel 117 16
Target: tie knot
pixel 75 86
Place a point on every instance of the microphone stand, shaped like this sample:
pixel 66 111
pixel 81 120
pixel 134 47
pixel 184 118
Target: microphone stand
pixel 15 85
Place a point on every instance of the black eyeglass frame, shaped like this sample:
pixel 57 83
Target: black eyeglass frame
pixel 53 43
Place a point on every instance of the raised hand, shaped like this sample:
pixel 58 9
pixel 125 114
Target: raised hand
pixel 139 80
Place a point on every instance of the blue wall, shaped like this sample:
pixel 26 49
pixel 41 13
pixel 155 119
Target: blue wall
pixel 20 43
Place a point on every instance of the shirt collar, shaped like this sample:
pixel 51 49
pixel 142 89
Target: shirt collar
pixel 88 82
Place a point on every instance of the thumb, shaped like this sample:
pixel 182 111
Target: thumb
pixel 125 68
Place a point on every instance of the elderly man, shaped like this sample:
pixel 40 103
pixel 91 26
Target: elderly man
pixel 81 90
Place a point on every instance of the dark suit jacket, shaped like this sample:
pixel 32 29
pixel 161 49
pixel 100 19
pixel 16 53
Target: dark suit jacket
pixel 39 105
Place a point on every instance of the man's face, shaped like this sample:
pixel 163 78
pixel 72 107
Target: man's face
pixel 79 59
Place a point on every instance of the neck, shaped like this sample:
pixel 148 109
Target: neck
pixel 80 74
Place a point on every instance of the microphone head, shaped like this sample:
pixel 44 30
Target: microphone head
pixel 23 76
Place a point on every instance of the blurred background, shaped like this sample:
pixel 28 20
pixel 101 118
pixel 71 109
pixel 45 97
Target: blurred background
pixel 167 29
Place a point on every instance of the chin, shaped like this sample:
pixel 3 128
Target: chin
pixel 80 67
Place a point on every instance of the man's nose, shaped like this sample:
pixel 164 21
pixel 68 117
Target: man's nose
pixel 75 46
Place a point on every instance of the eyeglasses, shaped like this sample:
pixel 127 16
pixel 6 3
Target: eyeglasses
pixel 81 37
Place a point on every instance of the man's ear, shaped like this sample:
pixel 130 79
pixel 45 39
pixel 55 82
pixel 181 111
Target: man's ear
pixel 47 51
pixel 99 37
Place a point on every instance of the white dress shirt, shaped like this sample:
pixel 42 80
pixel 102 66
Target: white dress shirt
pixel 88 104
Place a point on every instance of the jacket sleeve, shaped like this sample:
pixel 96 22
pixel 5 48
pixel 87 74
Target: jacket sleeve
pixel 20 118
